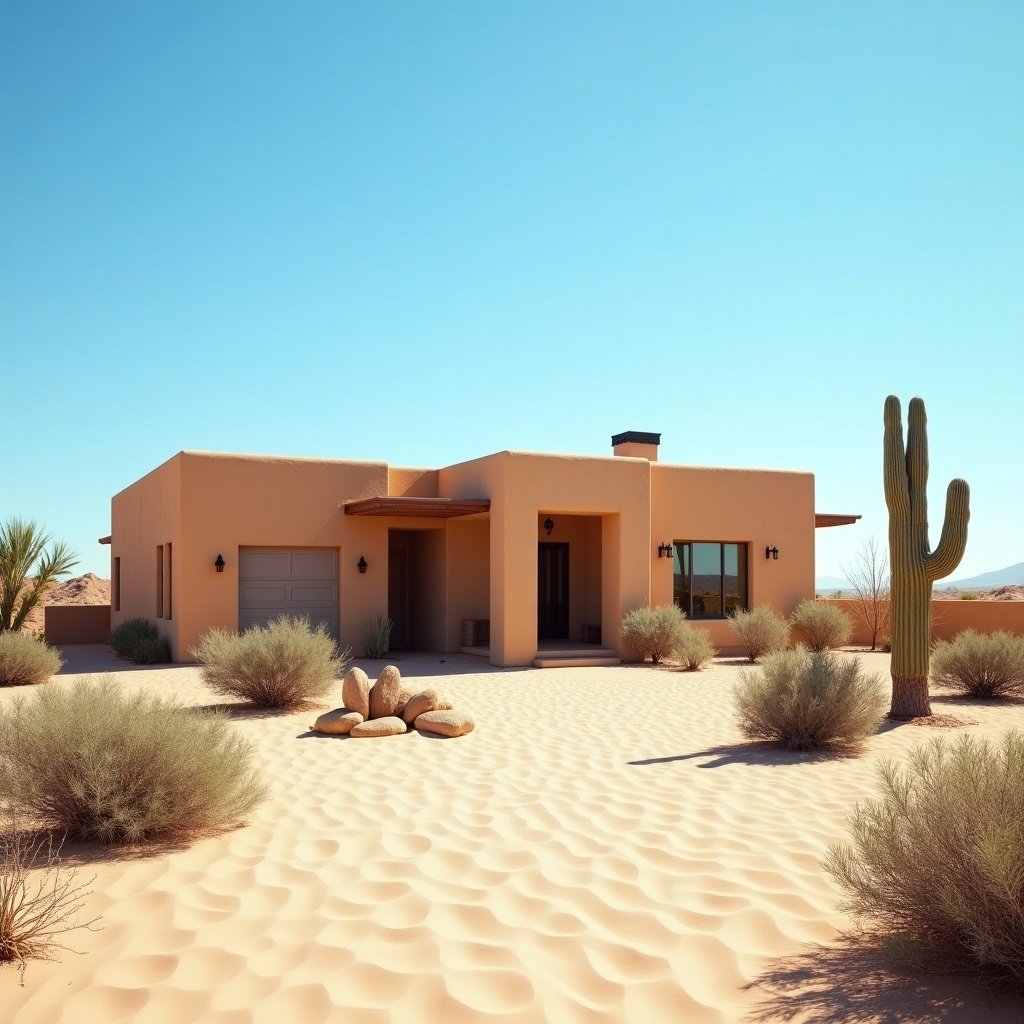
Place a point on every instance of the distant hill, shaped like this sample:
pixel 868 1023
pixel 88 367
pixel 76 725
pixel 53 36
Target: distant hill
pixel 1012 574
pixel 827 585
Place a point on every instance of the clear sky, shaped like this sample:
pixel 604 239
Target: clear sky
pixel 427 231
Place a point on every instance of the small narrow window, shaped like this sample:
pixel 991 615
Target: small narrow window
pixel 167 580
pixel 159 581
pixel 116 585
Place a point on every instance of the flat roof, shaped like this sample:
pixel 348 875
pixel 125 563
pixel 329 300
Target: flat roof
pixel 423 508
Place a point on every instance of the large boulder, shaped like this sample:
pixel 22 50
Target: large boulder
pixel 389 726
pixel 444 723
pixel 425 700
pixel 407 693
pixel 338 722
pixel 355 691
pixel 386 693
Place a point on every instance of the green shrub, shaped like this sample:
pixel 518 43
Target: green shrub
pixel 938 860
pixel 285 664
pixel 969 595
pixel 39 899
pixel 825 625
pixel 760 631
pixel 378 636
pixel 123 768
pixel 653 632
pixel 24 660
pixel 980 664
pixel 804 700
pixel 137 640
pixel 694 649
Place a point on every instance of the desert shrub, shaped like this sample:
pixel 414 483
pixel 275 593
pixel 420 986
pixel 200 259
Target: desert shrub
pixel 137 640
pixel 378 636
pixel 760 631
pixel 39 898
pixel 653 632
pixel 285 664
pixel 980 664
pixel 938 859
pixel 804 700
pixel 825 625
pixel 693 649
pixel 886 643
pixel 123 768
pixel 969 595
pixel 24 660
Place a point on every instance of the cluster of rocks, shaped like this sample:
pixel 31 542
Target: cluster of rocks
pixel 387 708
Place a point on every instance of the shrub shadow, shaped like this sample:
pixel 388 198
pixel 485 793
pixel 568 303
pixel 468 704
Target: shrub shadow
pixel 856 982
pixel 76 853
pixel 242 709
pixel 754 754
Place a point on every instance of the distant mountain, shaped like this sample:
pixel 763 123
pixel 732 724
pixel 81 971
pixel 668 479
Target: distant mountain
pixel 829 584
pixel 999 578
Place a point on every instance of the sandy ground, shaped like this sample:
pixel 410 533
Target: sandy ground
pixel 603 848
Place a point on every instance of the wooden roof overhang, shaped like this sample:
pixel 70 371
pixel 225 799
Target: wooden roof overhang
pixel 418 508
pixel 834 519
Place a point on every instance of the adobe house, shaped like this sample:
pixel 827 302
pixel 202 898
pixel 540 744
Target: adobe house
pixel 518 556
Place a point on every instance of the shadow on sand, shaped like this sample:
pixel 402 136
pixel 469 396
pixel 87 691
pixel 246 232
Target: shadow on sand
pixel 857 983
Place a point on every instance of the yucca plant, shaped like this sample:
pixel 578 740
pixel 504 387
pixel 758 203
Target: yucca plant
pixel 30 564
pixel 378 636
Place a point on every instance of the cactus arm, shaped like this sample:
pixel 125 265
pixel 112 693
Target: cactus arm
pixel 946 557
pixel 917 476
pixel 897 495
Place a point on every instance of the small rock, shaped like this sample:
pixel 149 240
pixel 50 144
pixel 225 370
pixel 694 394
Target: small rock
pixel 445 723
pixel 338 722
pixel 444 705
pixel 389 726
pixel 386 693
pixel 425 700
pixel 355 691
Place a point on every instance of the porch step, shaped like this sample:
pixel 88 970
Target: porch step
pixel 584 656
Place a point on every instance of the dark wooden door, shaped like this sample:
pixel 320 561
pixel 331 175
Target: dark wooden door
pixel 398 597
pixel 552 591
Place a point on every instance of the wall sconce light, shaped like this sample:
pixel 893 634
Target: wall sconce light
pixel 361 564
pixel 219 563
pixel 771 552
pixel 549 525
pixel 665 551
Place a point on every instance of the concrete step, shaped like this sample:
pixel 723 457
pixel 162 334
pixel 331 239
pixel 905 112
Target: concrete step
pixel 584 656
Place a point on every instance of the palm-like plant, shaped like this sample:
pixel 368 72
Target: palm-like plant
pixel 30 563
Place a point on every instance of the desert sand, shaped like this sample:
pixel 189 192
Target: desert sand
pixel 605 847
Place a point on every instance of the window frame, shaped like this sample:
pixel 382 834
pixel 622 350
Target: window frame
pixel 683 555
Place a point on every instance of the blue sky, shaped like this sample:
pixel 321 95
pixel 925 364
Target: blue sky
pixel 423 232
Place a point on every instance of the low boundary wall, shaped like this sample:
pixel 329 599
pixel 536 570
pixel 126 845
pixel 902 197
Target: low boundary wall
pixel 76 623
pixel 951 617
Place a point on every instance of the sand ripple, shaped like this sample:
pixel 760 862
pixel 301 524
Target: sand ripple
pixel 549 867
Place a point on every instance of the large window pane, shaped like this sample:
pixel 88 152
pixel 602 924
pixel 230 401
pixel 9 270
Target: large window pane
pixel 710 578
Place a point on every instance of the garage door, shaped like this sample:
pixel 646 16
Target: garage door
pixel 288 581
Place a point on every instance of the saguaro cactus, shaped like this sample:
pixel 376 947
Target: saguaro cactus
pixel 913 567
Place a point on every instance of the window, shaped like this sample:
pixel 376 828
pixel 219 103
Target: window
pixel 159 581
pixel 710 578
pixel 167 580
pixel 117 584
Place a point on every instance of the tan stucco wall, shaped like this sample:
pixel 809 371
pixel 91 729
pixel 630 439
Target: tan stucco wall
pixel 763 508
pixel 468 574
pixel 142 516
pixel 952 617
pixel 76 623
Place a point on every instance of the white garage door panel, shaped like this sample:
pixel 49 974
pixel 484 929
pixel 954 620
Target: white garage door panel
pixel 296 581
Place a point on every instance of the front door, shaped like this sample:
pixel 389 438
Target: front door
pixel 398 597
pixel 552 591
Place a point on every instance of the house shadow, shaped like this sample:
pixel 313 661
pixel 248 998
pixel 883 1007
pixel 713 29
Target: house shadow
pixel 857 981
